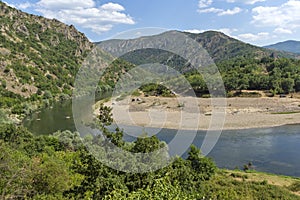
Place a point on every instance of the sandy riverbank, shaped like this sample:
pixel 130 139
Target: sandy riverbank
pixel 196 113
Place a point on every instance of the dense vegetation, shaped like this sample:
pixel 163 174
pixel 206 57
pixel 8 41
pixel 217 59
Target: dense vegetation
pixel 276 75
pixel 279 75
pixel 59 166
pixel 39 59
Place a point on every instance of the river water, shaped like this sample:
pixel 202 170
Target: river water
pixel 275 150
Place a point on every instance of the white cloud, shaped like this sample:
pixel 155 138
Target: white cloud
pixel 196 31
pixel 113 7
pixel 204 7
pixel 285 16
pixel 283 31
pixel 226 31
pixel 24 5
pixel 204 3
pixel 221 12
pixel 254 1
pixel 210 10
pixel 246 1
pixel 233 11
pixel 83 13
pixel 65 4
pixel 9 4
pixel 254 37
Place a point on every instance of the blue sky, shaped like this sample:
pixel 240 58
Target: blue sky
pixel 257 22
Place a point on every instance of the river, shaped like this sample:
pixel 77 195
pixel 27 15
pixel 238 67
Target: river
pixel 274 150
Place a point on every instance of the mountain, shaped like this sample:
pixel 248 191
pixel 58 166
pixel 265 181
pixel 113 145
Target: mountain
pixel 38 56
pixel 219 46
pixel 288 46
pixel 242 66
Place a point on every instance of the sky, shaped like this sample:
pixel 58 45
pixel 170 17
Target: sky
pixel 259 22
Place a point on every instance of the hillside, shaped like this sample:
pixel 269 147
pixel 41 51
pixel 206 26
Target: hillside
pixel 219 46
pixel 39 59
pixel 288 46
pixel 38 54
pixel 242 66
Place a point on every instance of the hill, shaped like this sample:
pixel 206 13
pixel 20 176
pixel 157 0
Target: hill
pixel 219 46
pixel 242 66
pixel 38 54
pixel 288 46
pixel 39 58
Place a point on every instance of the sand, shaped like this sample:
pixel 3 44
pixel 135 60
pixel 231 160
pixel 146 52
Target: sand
pixel 198 114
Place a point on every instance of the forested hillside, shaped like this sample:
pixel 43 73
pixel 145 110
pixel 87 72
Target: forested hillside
pixel 39 57
pixel 242 66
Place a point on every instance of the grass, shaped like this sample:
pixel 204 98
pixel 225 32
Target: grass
pixel 136 93
pixel 285 113
pixel 290 183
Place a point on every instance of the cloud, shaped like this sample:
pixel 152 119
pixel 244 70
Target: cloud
pixel 233 11
pixel 113 7
pixel 251 2
pixel 9 4
pixel 221 12
pixel 65 4
pixel 254 1
pixel 254 37
pixel 83 13
pixel 283 31
pixel 285 16
pixel 210 10
pixel 204 7
pixel 204 3
pixel 24 5
pixel 226 31
pixel 195 31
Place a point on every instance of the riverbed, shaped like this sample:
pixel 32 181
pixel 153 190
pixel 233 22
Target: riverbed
pixel 274 150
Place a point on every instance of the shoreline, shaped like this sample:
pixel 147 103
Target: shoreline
pixel 224 129
pixel 180 113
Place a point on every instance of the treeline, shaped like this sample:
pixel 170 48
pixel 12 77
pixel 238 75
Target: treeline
pixel 278 75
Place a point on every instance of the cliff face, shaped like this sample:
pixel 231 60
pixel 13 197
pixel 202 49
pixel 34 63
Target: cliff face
pixel 38 53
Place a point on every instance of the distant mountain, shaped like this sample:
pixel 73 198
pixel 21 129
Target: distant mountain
pixel 218 45
pixel 38 54
pixel 288 46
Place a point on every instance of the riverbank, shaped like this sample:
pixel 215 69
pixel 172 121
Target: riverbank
pixel 187 112
pixel 286 182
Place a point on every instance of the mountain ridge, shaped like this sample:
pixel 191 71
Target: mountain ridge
pixel 288 46
pixel 35 51
pixel 219 46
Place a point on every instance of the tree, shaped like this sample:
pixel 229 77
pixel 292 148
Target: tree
pixel 287 85
pixel 202 165
pixel 105 116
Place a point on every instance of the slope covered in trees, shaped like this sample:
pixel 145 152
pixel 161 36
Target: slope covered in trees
pixel 39 58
